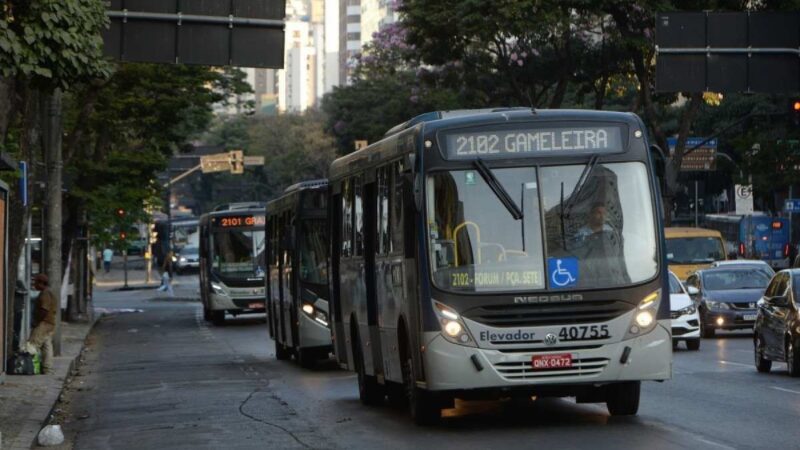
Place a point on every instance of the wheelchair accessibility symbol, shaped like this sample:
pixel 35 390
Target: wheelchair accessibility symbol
pixel 563 272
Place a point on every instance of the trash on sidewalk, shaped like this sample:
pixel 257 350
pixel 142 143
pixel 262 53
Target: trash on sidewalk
pixel 51 435
pixel 24 363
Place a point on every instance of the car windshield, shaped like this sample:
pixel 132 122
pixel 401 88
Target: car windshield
pixel 238 253
pixel 722 280
pixel 694 250
pixel 604 238
pixel 186 251
pixel 313 251
pixel 675 286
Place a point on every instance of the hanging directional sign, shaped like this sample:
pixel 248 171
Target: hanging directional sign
pixel 243 33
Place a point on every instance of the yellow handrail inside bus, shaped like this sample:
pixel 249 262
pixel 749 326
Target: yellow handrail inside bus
pixel 477 237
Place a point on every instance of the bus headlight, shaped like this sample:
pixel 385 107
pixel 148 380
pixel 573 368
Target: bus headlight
pixel 453 329
pixel 316 313
pixel 217 289
pixel 644 317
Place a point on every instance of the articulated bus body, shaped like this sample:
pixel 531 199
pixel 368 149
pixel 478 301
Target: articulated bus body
pixel 755 236
pixel 297 280
pixel 501 253
pixel 232 263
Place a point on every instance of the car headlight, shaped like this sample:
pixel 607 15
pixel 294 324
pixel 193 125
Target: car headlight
pixel 644 316
pixel 217 289
pixel 717 305
pixel 691 309
pixel 453 328
pixel 183 259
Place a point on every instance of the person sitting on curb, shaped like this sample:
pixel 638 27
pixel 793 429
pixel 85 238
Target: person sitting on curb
pixel 45 319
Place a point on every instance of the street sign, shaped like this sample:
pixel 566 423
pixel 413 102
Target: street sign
pixel 728 51
pixel 701 159
pixel 791 205
pixel 220 162
pixel 744 198
pixel 244 33
pixel 253 160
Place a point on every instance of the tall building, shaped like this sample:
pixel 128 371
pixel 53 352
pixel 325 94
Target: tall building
pixel 359 21
pixel 331 26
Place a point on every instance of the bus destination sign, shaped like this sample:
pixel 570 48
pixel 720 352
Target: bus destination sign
pixel 240 221
pixel 533 142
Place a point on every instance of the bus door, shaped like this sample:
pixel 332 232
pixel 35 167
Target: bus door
pixel 335 213
pixel 289 310
pixel 370 247
pixel 389 266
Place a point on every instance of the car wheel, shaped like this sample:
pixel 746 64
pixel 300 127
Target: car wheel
pixel 693 344
pixel 369 391
pixel 707 331
pixel 763 365
pixel 622 399
pixel 793 358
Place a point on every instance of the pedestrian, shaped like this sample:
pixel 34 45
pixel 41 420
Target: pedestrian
pixel 166 280
pixel 45 322
pixel 108 255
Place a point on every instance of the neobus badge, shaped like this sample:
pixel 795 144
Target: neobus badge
pixel 548 298
pixel 522 142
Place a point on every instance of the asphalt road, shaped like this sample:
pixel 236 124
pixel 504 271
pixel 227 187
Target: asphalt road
pixel 163 378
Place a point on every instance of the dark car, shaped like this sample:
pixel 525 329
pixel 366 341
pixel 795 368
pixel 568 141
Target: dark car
pixel 727 297
pixel 777 331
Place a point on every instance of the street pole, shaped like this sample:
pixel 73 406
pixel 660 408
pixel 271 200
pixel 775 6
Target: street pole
pixel 696 222
pixel 169 226
pixel 125 265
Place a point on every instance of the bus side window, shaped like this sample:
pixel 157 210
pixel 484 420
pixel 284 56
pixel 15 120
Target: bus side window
pixel 383 212
pixel 396 206
pixel 347 219
pixel 358 207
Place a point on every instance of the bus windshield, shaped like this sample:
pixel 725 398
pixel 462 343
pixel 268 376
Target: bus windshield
pixel 582 227
pixel 694 250
pixel 238 253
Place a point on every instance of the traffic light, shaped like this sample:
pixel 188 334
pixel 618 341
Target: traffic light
pixel 120 212
pixel 794 112
pixel 123 235
pixel 237 161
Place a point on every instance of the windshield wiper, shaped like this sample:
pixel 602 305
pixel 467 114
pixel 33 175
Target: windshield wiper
pixel 498 189
pixel 587 172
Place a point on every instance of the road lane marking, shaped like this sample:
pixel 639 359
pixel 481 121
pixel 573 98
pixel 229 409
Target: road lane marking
pixel 784 390
pixel 716 444
pixel 731 363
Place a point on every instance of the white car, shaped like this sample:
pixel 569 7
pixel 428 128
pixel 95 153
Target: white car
pixel 755 263
pixel 685 318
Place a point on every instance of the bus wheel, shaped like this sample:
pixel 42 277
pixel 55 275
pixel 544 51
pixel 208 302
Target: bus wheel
pixel 282 353
pixel 369 391
pixel 306 358
pixel 622 399
pixel 422 406
pixel 218 318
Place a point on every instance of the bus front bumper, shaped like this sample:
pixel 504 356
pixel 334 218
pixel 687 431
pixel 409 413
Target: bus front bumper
pixel 233 304
pixel 452 367
pixel 313 333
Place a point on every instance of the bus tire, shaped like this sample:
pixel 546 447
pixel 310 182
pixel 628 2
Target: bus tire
pixel 422 406
pixel 281 352
pixel 369 391
pixel 306 358
pixel 622 399
pixel 218 318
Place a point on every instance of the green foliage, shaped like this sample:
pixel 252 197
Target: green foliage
pixel 53 43
pixel 295 148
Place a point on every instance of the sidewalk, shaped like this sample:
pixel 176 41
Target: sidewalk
pixel 26 401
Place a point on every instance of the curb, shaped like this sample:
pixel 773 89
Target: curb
pixel 70 370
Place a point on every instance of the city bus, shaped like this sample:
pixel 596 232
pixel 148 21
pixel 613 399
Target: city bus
pixel 500 253
pixel 755 236
pixel 232 262
pixel 297 268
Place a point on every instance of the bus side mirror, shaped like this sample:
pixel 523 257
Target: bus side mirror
pixel 659 164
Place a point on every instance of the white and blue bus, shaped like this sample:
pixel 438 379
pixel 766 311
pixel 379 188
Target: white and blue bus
pixel 232 262
pixel 501 253
pixel 754 236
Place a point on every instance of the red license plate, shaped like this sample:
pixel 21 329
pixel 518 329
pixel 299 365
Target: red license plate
pixel 255 305
pixel 557 361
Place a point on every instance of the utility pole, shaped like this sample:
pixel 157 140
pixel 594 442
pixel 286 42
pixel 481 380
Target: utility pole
pixel 54 163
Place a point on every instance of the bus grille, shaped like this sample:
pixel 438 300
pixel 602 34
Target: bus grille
pixel 548 314
pixel 523 370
